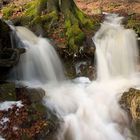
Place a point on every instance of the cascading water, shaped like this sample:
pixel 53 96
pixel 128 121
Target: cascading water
pixel 89 111
pixel 116 48
pixel 40 63
pixel 92 111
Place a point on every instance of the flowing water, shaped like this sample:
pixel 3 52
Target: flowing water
pixel 40 63
pixel 116 48
pixel 89 110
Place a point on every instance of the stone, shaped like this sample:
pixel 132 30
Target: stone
pixel 35 95
pixel 7 92
pixel 5 41
pixel 130 102
pixel 9 53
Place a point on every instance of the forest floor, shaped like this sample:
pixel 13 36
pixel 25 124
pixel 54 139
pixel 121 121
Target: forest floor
pixel 92 7
pixel 96 6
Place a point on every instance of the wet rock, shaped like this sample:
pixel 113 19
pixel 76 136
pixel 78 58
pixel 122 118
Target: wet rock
pixel 85 68
pixel 130 102
pixel 9 57
pixel 89 47
pixel 5 30
pixel 9 54
pixel 34 94
pixel 7 92
pixel 41 123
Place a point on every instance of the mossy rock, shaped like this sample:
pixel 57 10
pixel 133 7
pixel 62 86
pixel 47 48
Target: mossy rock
pixel 75 36
pixel 130 102
pixel 134 24
pixel 7 92
pixel 4 35
pixel 35 95
pixel 40 107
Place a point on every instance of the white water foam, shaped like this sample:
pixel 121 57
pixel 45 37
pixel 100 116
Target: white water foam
pixel 116 49
pixel 40 63
pixel 90 111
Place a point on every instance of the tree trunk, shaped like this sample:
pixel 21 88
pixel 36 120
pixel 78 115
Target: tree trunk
pixel 74 20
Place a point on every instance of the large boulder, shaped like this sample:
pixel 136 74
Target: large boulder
pixel 130 102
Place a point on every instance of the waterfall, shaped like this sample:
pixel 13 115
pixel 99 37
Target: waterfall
pixel 90 110
pixel 116 49
pixel 40 63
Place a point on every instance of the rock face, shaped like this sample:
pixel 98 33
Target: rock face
pixel 9 55
pixel 4 35
pixel 130 102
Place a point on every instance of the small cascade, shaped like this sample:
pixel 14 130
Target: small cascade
pixel 40 63
pixel 88 110
pixel 116 49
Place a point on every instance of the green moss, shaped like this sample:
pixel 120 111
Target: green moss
pixel 31 8
pixel 39 106
pixel 48 20
pixel 75 35
pixel 79 38
pixel 42 6
pixel 134 24
pixel 67 24
pixel 72 45
pixel 28 14
pixel 8 11
pixel 7 92
pixel 37 20
pixel 80 15
pixel 84 20
pixel 49 17
pixel 75 31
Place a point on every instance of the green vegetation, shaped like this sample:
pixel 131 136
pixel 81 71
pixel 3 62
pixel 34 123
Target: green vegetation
pixel 84 20
pixel 74 34
pixel 134 24
pixel 7 92
pixel 31 9
pixel 8 11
